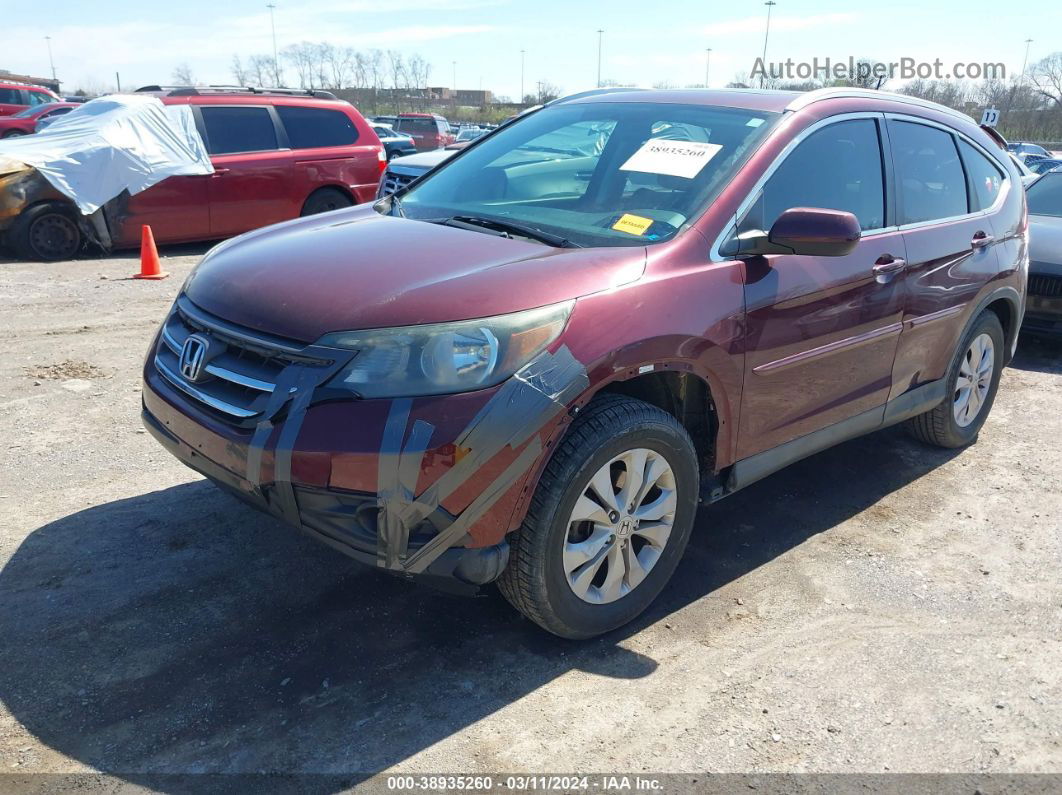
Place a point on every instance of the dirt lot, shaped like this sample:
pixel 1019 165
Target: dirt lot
pixel 881 606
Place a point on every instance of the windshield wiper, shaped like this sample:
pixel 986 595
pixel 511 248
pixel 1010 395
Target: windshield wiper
pixel 511 228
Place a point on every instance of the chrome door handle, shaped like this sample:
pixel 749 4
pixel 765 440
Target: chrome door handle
pixel 981 239
pixel 888 264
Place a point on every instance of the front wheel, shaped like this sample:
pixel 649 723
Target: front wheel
pixel 609 520
pixel 12 134
pixel 972 380
pixel 47 233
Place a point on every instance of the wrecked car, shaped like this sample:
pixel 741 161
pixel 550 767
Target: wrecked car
pixel 573 348
pixel 232 160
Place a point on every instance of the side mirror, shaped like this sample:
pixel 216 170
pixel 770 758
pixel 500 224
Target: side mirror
pixel 812 231
pixel 816 232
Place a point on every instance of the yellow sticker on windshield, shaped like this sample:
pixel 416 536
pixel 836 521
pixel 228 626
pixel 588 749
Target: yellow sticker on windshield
pixel 632 224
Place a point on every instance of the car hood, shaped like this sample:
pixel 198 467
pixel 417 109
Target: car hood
pixel 424 160
pixel 1045 239
pixel 356 269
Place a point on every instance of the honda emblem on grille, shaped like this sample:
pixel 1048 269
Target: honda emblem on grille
pixel 194 356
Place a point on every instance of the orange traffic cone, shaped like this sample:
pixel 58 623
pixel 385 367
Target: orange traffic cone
pixel 149 257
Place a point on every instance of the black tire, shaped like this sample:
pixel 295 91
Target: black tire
pixel 12 134
pixel 534 582
pixel 47 233
pixel 938 426
pixel 325 200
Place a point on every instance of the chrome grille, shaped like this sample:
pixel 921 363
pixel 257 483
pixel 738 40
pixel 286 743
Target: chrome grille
pixel 243 368
pixel 1045 285
pixel 393 182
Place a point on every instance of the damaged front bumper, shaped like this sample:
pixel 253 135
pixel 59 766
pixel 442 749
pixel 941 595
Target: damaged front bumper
pixel 416 486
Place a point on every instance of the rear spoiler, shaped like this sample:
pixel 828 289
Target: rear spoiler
pixel 995 136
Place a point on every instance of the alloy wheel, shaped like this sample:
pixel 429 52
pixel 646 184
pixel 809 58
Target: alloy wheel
pixel 619 526
pixel 974 380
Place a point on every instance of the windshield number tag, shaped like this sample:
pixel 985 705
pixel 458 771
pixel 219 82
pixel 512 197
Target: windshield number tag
pixel 671 158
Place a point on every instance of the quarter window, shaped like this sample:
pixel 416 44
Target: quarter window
pixel 929 175
pixel 313 128
pixel 246 129
pixel 985 178
pixel 836 168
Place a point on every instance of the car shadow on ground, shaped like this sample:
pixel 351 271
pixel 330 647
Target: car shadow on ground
pixel 8 257
pixel 1038 354
pixel 179 631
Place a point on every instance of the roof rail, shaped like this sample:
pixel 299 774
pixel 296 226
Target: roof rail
pixel 11 82
pixel 191 91
pixel 810 97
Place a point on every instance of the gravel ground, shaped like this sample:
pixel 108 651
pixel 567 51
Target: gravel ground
pixel 878 607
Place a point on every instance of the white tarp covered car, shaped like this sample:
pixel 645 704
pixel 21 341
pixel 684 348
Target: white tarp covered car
pixel 107 147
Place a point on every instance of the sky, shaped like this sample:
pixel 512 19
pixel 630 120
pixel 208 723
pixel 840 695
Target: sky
pixel 642 44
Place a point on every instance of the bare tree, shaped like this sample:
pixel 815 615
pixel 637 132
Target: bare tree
pixel 182 75
pixel 262 70
pixel 547 92
pixel 240 75
pixel 1046 75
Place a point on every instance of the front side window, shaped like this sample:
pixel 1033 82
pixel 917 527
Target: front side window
pixel 244 129
pixel 313 128
pixel 838 167
pixel 929 176
pixel 596 174
pixel 1045 196
pixel 986 179
pixel 39 98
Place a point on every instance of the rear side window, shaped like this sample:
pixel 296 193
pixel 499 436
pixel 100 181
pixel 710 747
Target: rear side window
pixel 313 128
pixel 417 125
pixel 929 175
pixel 10 96
pixel 985 178
pixel 245 129
pixel 836 168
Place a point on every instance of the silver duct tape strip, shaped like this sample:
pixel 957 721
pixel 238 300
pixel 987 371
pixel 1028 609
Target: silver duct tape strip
pixel 518 410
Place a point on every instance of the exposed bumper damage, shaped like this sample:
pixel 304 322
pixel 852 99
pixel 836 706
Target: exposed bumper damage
pixel 389 519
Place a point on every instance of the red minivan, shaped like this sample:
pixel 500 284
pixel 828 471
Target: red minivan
pixel 536 362
pixel 15 97
pixel 277 154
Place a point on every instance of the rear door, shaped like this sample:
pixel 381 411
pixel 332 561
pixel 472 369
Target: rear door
pixel 946 190
pixel 821 332
pixel 251 186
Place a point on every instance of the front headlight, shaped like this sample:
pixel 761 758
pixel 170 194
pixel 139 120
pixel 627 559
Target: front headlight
pixel 444 358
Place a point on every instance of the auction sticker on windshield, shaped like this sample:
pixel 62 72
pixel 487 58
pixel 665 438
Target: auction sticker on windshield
pixel 632 224
pixel 671 158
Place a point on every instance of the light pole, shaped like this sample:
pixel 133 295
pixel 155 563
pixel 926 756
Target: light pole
pixel 454 84
pixel 52 62
pixel 600 33
pixel 1021 78
pixel 770 4
pixel 707 64
pixel 273 26
pixel 522 53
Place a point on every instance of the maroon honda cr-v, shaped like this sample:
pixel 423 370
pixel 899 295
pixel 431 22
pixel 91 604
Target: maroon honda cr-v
pixel 534 363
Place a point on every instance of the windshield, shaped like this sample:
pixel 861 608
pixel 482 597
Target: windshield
pixel 601 174
pixel 1045 195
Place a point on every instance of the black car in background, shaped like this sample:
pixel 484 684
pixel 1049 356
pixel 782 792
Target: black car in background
pixel 396 144
pixel 1043 311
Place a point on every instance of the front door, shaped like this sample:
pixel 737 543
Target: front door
pixel 821 332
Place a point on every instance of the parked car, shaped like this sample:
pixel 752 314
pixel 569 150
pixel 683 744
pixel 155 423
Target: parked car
pixel 401 171
pixel 277 154
pixel 569 351
pixel 395 144
pixel 386 120
pixel 1024 150
pixel 1044 165
pixel 469 134
pixel 16 97
pixel 1028 176
pixel 25 121
pixel 1044 315
pixel 428 130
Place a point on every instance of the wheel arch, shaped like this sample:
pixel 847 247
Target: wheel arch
pixel 329 186
pixel 1008 306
